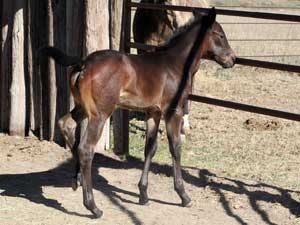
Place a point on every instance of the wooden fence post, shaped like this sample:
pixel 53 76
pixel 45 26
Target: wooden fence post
pixel 74 39
pixel 34 92
pixel 121 117
pixel 51 73
pixel 5 79
pixel 97 38
pixel 17 87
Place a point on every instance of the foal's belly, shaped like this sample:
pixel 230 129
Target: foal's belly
pixel 136 102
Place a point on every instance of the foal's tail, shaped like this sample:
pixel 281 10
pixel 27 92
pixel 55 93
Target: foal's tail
pixel 59 56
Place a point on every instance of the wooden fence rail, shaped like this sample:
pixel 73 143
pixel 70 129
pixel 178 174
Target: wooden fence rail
pixel 34 93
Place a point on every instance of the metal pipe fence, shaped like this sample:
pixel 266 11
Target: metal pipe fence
pixel 129 6
pixel 241 61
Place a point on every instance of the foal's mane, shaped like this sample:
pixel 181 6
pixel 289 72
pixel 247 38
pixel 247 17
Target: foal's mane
pixel 172 41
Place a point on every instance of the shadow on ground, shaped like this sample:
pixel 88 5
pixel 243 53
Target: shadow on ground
pixel 29 186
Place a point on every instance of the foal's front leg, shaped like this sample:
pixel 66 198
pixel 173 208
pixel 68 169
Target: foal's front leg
pixel 68 126
pixel 173 126
pixel 150 149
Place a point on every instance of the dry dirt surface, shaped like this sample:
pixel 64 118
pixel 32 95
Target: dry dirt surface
pixel 35 189
pixel 239 168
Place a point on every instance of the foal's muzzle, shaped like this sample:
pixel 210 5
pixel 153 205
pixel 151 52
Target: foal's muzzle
pixel 227 60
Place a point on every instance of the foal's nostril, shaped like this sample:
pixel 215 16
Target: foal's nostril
pixel 233 56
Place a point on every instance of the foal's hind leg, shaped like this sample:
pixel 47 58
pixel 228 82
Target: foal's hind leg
pixel 86 154
pixel 150 148
pixel 173 126
pixel 68 126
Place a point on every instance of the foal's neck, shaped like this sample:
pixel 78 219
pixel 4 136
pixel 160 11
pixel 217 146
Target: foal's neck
pixel 179 51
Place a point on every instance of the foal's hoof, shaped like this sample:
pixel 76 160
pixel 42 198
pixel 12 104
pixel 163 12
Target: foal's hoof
pixel 143 201
pixel 187 202
pixel 97 213
pixel 75 184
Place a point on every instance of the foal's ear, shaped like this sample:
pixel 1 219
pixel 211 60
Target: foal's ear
pixel 211 17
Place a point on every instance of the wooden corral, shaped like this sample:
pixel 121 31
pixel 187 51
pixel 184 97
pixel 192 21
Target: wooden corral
pixel 35 92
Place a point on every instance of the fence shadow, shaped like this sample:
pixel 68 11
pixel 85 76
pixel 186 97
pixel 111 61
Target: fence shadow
pixel 29 186
pixel 259 192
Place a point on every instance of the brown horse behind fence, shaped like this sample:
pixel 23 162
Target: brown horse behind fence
pixel 154 27
pixel 108 79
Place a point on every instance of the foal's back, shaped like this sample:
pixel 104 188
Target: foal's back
pixel 112 79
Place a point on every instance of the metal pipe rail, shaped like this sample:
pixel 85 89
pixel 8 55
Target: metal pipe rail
pixel 227 12
pixel 245 107
pixel 241 61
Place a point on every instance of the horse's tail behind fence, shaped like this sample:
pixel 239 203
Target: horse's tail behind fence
pixel 59 56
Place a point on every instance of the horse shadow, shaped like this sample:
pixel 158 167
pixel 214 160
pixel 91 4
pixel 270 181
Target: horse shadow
pixel 29 186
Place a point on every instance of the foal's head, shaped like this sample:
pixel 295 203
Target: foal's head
pixel 216 46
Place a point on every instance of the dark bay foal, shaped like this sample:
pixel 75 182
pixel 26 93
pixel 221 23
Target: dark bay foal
pixel 108 79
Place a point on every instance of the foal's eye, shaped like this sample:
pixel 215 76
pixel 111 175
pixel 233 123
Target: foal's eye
pixel 221 36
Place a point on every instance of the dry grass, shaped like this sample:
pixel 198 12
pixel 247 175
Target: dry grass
pixel 239 144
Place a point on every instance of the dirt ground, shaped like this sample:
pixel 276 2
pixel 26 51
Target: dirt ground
pixel 239 168
pixel 35 189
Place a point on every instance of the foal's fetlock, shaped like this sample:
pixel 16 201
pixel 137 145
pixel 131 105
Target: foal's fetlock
pixel 96 212
pixel 143 200
pixel 185 199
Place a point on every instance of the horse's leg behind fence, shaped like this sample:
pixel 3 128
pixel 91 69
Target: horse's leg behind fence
pixel 69 127
pixel 185 122
pixel 86 154
pixel 150 149
pixel 186 112
pixel 173 126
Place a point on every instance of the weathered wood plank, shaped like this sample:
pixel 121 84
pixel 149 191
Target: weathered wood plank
pixel 17 86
